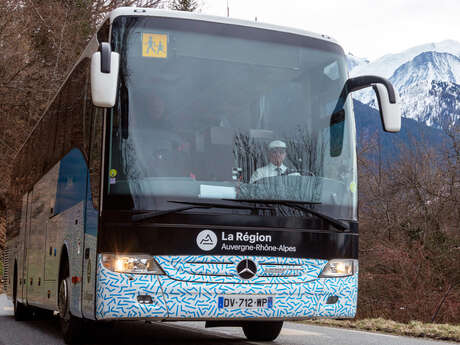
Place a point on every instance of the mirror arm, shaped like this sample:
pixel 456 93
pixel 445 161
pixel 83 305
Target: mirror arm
pixel 106 51
pixel 358 83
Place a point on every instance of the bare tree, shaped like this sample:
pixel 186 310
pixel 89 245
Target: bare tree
pixel 184 5
pixel 40 41
pixel 410 221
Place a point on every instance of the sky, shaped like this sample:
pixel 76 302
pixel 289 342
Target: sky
pixel 365 28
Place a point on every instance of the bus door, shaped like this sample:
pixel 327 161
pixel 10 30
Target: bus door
pixel 22 257
pixel 35 242
pixel 42 207
pixel 89 261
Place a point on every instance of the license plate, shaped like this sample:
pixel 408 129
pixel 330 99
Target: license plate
pixel 245 302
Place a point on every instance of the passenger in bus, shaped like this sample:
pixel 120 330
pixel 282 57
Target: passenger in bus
pixel 166 151
pixel 276 167
pixel 157 115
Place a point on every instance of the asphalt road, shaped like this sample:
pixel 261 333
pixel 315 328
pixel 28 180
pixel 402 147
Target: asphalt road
pixel 47 332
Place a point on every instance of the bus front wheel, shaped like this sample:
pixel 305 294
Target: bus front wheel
pixel 71 326
pixel 262 330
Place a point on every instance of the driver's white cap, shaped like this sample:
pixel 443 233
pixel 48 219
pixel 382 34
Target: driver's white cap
pixel 276 144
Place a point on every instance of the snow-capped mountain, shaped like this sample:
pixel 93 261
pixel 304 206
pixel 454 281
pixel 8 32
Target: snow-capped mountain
pixel 428 82
pixel 413 79
pixel 354 61
pixel 387 64
pixel 442 105
pixel 428 66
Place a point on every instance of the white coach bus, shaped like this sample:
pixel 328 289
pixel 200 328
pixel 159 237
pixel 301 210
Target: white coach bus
pixel 192 168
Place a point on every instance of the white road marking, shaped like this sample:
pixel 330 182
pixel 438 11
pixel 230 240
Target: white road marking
pixel 366 332
pixel 292 331
pixel 197 330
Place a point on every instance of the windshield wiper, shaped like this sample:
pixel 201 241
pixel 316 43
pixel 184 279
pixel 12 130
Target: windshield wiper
pixel 337 223
pixel 217 205
pixel 153 214
pixel 275 201
pixel 299 205
pixel 192 205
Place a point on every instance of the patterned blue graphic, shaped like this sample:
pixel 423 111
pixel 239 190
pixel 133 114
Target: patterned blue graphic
pixel 193 288
pixel 116 295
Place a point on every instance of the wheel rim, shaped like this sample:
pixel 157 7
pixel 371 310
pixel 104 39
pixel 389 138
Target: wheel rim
pixel 63 300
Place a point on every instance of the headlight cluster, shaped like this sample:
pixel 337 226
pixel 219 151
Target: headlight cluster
pixel 339 268
pixel 131 263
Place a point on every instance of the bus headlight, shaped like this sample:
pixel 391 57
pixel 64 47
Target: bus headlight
pixel 131 263
pixel 339 268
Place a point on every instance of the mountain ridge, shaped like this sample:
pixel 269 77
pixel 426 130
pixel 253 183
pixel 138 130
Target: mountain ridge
pixel 428 84
pixel 387 64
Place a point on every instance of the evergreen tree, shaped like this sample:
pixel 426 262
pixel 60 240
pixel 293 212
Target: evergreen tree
pixel 184 5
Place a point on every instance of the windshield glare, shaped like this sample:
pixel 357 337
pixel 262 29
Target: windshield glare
pixel 206 114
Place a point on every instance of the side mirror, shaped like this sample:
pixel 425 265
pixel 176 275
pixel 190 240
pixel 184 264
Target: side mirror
pixel 387 98
pixel 104 76
pixel 389 112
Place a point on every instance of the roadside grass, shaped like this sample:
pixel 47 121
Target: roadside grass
pixel 413 328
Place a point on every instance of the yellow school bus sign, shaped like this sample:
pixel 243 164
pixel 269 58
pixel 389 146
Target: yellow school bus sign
pixel 155 45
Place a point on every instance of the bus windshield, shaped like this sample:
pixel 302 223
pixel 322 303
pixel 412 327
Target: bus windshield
pixel 216 111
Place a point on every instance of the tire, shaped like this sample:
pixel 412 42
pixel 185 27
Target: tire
pixel 43 314
pixel 71 326
pixel 21 311
pixel 262 330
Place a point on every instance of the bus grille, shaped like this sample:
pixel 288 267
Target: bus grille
pixel 224 269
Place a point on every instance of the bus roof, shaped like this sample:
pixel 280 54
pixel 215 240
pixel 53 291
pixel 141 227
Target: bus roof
pixel 136 11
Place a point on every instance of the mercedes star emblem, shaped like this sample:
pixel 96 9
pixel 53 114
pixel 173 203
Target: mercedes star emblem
pixel 246 269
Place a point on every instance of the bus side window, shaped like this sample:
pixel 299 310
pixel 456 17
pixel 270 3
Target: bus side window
pixel 70 147
pixel 71 182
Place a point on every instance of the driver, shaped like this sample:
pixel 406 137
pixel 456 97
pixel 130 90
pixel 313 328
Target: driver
pixel 276 156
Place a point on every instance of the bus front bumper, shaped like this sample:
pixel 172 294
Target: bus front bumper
pixel 135 297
